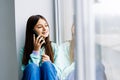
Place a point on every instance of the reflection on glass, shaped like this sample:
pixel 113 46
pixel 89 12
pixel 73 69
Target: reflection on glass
pixel 66 59
pixel 66 49
pixel 107 36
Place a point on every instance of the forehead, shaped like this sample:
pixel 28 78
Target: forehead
pixel 41 21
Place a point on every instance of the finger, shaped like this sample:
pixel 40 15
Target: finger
pixel 44 55
pixel 37 39
pixel 33 38
pixel 45 59
pixel 43 41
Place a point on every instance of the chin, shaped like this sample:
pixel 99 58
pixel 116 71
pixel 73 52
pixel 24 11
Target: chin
pixel 45 36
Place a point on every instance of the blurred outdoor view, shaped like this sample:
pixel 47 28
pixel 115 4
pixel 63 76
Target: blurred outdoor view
pixel 107 25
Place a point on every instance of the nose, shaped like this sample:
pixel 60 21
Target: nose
pixel 44 28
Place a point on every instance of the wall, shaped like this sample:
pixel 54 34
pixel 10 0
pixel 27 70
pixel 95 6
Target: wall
pixel 8 59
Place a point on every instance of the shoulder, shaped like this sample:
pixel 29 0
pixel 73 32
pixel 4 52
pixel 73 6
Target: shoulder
pixel 65 45
pixel 54 46
pixel 64 48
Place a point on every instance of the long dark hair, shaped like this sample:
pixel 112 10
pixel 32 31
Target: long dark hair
pixel 28 47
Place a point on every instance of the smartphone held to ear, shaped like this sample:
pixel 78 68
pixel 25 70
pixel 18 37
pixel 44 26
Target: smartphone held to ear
pixel 36 35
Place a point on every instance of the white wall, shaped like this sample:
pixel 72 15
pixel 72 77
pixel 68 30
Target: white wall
pixel 8 57
pixel 26 8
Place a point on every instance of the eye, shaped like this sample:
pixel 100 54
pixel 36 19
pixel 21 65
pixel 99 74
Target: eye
pixel 46 25
pixel 39 26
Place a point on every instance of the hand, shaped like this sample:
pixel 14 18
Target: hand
pixel 38 42
pixel 45 58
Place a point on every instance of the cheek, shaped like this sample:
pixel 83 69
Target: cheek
pixel 40 31
pixel 47 29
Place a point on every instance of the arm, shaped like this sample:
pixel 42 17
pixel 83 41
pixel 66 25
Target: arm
pixel 62 59
pixel 35 57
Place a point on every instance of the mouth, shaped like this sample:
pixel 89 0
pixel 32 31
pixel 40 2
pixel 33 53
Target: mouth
pixel 44 32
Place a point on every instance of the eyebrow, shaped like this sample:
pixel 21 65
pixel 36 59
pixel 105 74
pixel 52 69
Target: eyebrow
pixel 41 24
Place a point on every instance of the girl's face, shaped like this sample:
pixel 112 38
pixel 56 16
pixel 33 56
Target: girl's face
pixel 73 29
pixel 42 28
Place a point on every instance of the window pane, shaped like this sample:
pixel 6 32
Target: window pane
pixel 107 25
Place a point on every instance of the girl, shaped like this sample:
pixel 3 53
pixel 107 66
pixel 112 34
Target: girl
pixel 39 52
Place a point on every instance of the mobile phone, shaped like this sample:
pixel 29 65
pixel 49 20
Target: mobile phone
pixel 36 34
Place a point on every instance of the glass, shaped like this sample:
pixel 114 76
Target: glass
pixel 107 25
